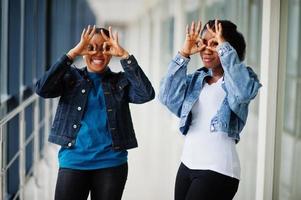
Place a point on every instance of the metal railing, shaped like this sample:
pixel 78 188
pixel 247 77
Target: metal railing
pixel 24 141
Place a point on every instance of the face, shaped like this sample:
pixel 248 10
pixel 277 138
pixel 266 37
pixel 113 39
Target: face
pixel 210 58
pixel 98 62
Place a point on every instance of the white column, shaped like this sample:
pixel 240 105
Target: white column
pixel 268 99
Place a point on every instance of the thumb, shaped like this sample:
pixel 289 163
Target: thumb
pixel 212 42
pixel 202 47
pixel 91 52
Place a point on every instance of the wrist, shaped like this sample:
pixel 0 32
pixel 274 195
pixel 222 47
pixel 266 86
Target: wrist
pixel 71 54
pixel 221 41
pixel 126 55
pixel 184 54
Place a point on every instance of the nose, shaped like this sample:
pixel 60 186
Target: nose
pixel 99 52
pixel 207 51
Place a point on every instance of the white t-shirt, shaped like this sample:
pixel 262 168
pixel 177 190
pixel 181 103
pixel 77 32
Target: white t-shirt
pixel 207 150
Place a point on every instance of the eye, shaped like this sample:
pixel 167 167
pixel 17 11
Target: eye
pixel 213 44
pixel 107 48
pixel 90 47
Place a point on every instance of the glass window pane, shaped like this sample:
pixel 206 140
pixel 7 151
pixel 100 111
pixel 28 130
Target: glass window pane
pixel 3 65
pixel 13 69
pixel 14 29
pixel 289 182
pixel 29 43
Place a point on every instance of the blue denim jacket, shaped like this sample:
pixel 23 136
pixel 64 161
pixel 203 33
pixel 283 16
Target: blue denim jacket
pixel 72 85
pixel 179 91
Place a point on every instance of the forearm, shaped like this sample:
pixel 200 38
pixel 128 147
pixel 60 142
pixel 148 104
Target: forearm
pixel 174 85
pixel 140 88
pixel 239 79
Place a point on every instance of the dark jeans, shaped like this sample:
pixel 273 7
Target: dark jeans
pixel 204 185
pixel 104 184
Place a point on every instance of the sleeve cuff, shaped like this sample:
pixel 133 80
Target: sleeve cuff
pixel 181 60
pixel 131 61
pixel 224 48
pixel 65 60
pixel 177 63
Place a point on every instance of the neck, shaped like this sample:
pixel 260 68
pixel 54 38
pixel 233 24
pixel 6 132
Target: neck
pixel 217 72
pixel 98 72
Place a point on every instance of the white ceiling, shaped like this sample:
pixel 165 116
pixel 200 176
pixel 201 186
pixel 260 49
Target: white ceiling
pixel 118 11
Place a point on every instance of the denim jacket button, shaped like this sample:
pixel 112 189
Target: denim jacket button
pixel 83 91
pixel 69 144
pixel 79 108
pixel 74 126
pixel 129 61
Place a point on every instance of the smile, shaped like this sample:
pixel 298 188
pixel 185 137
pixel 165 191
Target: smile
pixel 97 61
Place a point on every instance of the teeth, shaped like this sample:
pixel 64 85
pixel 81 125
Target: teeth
pixel 97 61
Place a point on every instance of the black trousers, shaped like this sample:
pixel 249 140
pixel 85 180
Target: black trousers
pixel 204 185
pixel 104 184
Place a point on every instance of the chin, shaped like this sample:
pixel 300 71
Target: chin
pixel 100 70
pixel 209 66
pixel 96 69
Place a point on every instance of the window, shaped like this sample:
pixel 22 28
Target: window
pixel 14 24
pixel 30 46
pixel 13 69
pixel 288 175
pixel 3 52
